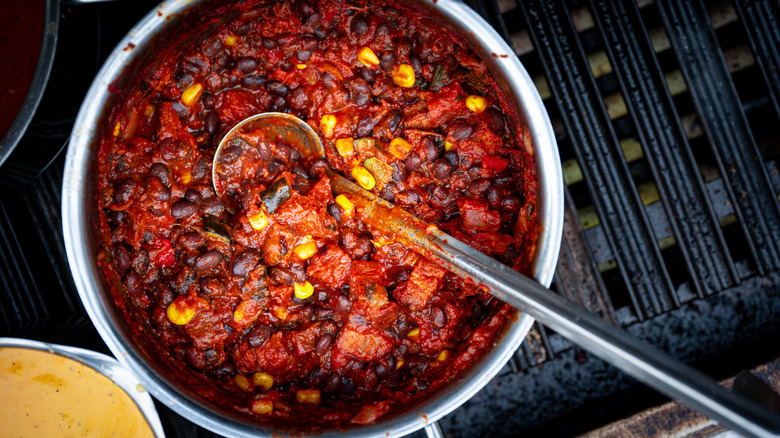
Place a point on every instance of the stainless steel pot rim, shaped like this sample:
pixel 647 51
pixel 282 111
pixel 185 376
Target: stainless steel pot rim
pixel 78 224
pixel 105 365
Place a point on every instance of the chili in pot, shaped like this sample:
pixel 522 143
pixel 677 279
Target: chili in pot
pixel 281 302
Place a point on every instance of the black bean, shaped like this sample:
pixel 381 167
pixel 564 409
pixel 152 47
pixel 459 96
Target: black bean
pixel 313 20
pixel 321 313
pixel 358 25
pixel 224 370
pixel 381 369
pixel 192 240
pixel 201 167
pixel 139 260
pixel 348 385
pixel 408 198
pixel 428 150
pixel 364 127
pixel 264 149
pixel 503 180
pixel 367 74
pixel 478 187
pixel 391 120
pixel 387 60
pixel 316 377
pixel 230 154
pixel 212 48
pixel 412 162
pixel 335 211
pixel 392 332
pixel 160 171
pixel 124 190
pixel 495 120
pixel 134 284
pixel 242 30
pixel 298 273
pixel 305 9
pixel 246 65
pixel 399 171
pixel 356 245
pixel 212 123
pixel 213 206
pixel 121 257
pixel 208 260
pixel 277 88
pixel 441 169
pixel 268 43
pixel 439 318
pixel 189 258
pixel 461 131
pixel 299 170
pixel 183 208
pixel 193 196
pixel 285 40
pixel 317 168
pixel 320 34
pixel 258 335
pixel 184 81
pixel 323 343
pixel 389 191
pixel 169 150
pixel 332 383
pixel 494 197
pixel 184 280
pixel 280 275
pixel 245 262
pixel 360 99
pixel 253 82
pixel 510 204
pixel 303 55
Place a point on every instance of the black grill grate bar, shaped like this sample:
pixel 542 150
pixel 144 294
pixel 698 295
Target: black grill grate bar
pixel 596 146
pixel 667 151
pixel 27 305
pixel 760 20
pixel 716 101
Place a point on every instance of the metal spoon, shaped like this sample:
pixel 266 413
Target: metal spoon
pixel 612 344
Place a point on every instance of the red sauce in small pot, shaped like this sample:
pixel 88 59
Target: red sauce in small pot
pixel 21 34
pixel 276 300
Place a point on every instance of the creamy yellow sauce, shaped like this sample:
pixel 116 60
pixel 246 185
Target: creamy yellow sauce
pixel 47 395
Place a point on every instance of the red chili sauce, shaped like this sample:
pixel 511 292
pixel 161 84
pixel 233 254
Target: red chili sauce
pixel 277 301
pixel 21 34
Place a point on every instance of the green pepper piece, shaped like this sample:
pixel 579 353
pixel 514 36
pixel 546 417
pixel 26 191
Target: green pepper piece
pixel 216 229
pixel 275 195
pixel 383 172
pixel 439 77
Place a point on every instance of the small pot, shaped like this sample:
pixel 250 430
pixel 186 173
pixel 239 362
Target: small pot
pixel 79 212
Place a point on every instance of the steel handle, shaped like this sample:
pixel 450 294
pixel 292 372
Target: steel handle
pixel 612 344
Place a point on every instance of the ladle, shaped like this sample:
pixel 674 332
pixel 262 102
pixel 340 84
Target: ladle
pixel 612 344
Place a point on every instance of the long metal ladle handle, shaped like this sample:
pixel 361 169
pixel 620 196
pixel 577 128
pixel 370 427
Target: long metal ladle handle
pixel 612 344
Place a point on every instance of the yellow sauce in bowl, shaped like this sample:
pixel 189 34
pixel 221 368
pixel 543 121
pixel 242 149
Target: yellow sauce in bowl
pixel 44 394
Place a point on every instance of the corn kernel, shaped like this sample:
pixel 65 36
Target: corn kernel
pixel 448 145
pixel 263 381
pixel 345 147
pixel 185 177
pixel 308 396
pixel 327 125
pixel 367 57
pixel 443 356
pixel 230 40
pixel 476 103
pixel 280 313
pixel 262 406
pixel 399 148
pixel 403 75
pixel 399 364
pixel 300 66
pixel 191 95
pixel 347 208
pixel 149 110
pixel 258 221
pixel 303 290
pixel 413 333
pixel 181 310
pixel 363 177
pixel 116 129
pixel 305 250
pixel 243 382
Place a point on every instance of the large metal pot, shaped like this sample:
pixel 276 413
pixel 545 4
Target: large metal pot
pixel 79 211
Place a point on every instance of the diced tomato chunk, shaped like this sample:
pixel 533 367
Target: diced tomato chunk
pixel 332 267
pixel 476 216
pixel 426 278
pixel 496 164
pixel 360 342
pixel 447 103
